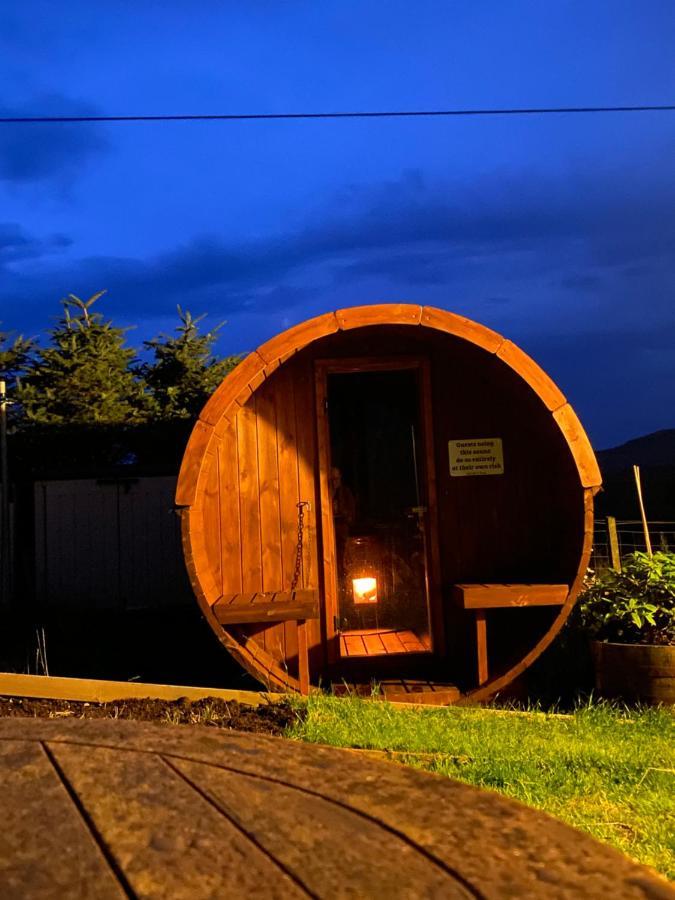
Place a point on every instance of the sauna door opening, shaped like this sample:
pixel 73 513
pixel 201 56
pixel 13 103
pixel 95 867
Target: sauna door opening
pixel 373 465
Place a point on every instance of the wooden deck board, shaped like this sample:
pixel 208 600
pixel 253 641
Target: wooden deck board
pixel 373 644
pixel 412 643
pixel 381 641
pixel 288 829
pixel 169 840
pixel 46 847
pixel 352 645
pixel 392 642
pixel 114 808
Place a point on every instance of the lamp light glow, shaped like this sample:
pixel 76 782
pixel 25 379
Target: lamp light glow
pixel 365 590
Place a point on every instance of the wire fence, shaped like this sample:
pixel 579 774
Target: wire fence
pixel 630 538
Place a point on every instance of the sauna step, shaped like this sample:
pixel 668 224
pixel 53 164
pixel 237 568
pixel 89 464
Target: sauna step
pixel 404 690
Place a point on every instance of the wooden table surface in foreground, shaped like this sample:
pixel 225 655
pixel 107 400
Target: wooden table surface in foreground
pixel 107 809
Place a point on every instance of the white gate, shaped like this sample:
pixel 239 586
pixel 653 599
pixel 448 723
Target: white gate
pixel 109 544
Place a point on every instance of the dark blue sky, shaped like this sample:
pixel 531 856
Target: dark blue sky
pixel 559 232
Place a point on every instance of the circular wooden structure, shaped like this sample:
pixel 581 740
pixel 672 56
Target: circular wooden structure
pixel 433 420
pixel 114 809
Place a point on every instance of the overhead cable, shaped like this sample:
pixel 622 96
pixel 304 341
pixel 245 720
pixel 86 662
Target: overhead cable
pixel 383 114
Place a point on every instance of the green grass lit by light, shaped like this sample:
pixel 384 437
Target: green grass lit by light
pixel 606 770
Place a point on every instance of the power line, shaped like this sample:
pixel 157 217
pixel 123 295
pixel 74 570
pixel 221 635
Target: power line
pixel 390 114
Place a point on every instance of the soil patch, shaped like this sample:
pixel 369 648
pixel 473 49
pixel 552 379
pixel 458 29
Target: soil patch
pixel 272 718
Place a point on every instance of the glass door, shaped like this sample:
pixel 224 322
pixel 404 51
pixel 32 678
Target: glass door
pixel 378 507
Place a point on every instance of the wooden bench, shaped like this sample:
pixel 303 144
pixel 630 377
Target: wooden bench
pixel 481 597
pixel 261 607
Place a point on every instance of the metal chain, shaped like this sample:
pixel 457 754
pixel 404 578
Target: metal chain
pixel 298 554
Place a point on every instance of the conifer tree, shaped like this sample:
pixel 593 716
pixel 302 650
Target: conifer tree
pixel 184 371
pixel 85 375
pixel 14 355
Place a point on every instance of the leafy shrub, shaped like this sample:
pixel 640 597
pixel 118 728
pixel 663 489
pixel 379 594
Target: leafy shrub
pixel 634 606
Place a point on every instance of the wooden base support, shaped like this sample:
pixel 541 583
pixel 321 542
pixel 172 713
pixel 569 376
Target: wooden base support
pixel 303 657
pixel 480 597
pixel 481 646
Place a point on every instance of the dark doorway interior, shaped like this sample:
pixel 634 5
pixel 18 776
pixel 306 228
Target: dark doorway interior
pixel 378 512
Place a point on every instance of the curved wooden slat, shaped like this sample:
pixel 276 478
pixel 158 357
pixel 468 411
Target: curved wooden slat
pixel 193 458
pixel 380 314
pixel 580 446
pixel 232 386
pixel 196 557
pixel 461 327
pixel 297 337
pixel 543 386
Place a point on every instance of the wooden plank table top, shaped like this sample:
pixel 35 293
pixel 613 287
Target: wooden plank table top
pixel 500 596
pixel 99 809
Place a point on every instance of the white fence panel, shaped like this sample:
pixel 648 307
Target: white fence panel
pixel 108 544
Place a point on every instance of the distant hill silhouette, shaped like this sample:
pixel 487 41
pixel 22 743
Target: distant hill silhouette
pixel 656 449
pixel 655 454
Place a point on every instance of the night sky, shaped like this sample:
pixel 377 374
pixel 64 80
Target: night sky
pixel 559 232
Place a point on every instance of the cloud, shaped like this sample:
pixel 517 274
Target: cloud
pixel 38 152
pixel 16 245
pixel 548 244
pixel 577 282
pixel 620 384
pixel 580 275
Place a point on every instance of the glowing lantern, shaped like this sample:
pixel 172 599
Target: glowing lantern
pixel 362 568
pixel 365 590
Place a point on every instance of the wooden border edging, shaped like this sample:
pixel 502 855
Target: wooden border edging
pixel 89 690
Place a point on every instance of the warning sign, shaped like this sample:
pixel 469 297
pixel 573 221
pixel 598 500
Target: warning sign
pixel 479 456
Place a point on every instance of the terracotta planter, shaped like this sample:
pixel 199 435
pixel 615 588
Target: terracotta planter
pixel 636 672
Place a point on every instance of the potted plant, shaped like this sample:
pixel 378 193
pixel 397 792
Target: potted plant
pixel 630 618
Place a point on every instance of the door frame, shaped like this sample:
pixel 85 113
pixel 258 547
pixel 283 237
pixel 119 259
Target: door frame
pixel 322 369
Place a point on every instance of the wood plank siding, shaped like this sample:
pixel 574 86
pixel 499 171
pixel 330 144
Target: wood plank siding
pixel 260 466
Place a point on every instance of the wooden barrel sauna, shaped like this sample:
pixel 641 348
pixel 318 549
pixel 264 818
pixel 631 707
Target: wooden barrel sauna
pixel 390 494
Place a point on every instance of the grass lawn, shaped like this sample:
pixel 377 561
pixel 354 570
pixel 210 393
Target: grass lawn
pixel 608 771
